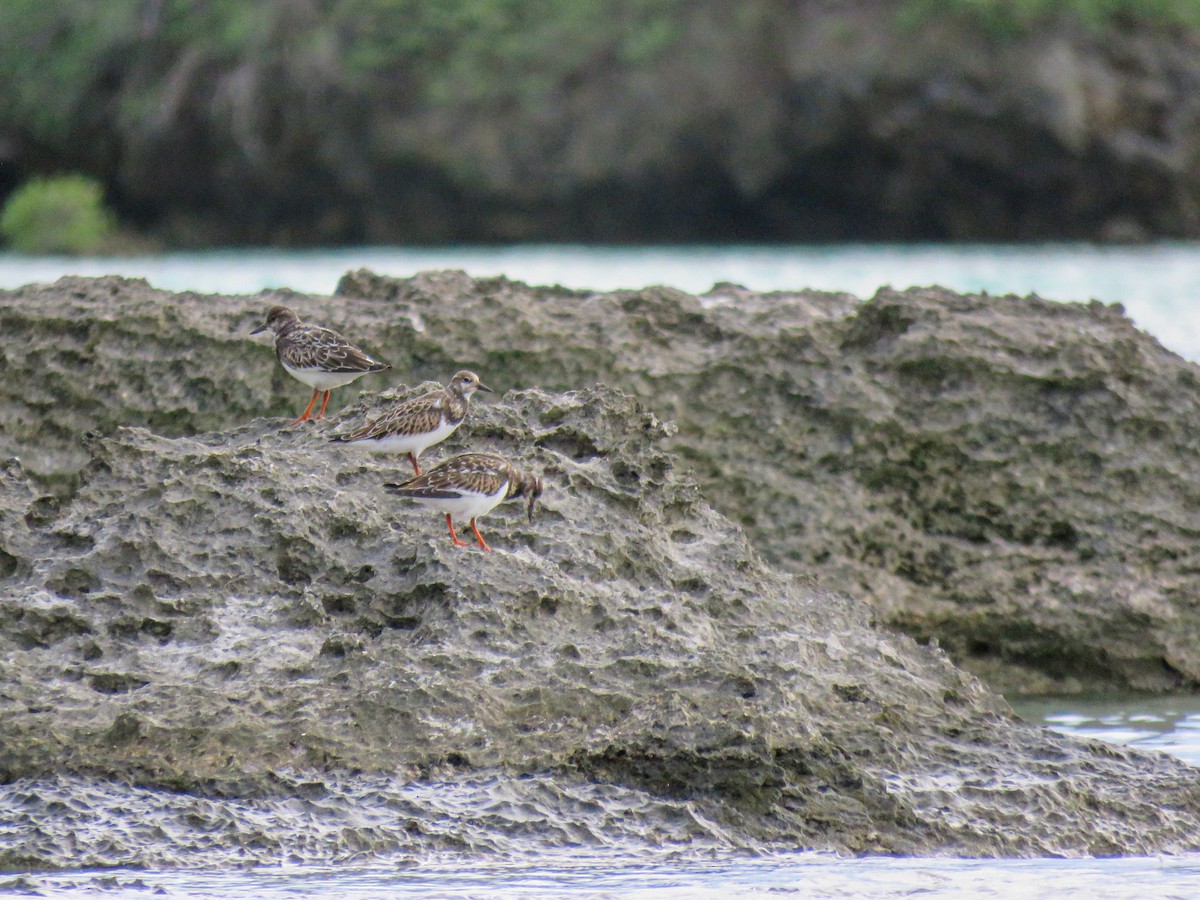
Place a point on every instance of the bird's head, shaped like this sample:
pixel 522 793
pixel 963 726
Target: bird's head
pixel 278 318
pixel 529 485
pixel 467 383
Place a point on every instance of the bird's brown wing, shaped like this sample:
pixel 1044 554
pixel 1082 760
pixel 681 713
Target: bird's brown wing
pixel 313 347
pixel 416 416
pixel 479 473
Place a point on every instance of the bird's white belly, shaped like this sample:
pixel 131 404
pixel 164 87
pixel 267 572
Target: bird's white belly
pixel 468 506
pixel 320 380
pixel 409 443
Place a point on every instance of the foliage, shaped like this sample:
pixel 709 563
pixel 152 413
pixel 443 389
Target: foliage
pixel 1001 18
pixel 52 55
pixel 69 67
pixel 57 54
pixel 487 49
pixel 62 214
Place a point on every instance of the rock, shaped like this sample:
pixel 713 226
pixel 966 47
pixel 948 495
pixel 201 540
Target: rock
pixel 1011 476
pixel 233 646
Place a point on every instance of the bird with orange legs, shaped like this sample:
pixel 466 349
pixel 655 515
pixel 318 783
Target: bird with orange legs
pixel 319 357
pixel 469 486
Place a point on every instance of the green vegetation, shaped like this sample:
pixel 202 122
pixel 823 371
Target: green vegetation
pixel 1016 17
pixel 57 54
pixel 63 214
pixel 152 88
pixel 502 49
pixel 67 62
pixel 53 54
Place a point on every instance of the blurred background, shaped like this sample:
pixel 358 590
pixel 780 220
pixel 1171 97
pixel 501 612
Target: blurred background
pixel 301 123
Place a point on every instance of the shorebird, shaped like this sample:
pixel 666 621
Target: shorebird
pixel 469 486
pixel 319 357
pixel 416 425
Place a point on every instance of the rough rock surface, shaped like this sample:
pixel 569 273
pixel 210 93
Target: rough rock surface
pixel 220 632
pixel 1012 476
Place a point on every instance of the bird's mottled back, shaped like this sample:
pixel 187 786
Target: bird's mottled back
pixel 306 346
pixel 476 473
pixel 424 414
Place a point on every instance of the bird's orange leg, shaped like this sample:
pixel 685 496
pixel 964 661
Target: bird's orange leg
pixel 453 536
pixel 416 468
pixel 308 410
pixel 479 537
pixel 324 404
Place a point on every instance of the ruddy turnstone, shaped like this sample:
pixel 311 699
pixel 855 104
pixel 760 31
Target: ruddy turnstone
pixel 416 425
pixel 469 486
pixel 319 357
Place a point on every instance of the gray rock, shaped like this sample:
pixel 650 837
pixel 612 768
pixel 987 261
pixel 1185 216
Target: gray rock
pixel 1011 476
pixel 234 646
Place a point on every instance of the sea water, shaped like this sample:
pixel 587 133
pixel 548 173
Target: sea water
pixel 801 875
pixel 1157 284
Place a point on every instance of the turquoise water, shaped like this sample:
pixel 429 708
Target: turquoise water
pixel 1165 724
pixel 1157 283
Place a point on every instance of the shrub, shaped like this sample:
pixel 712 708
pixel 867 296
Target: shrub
pixel 60 214
pixel 1009 18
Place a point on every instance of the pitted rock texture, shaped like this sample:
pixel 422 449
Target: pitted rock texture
pixel 1011 476
pixel 211 615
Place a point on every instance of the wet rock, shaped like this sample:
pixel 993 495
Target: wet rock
pixel 234 646
pixel 1010 476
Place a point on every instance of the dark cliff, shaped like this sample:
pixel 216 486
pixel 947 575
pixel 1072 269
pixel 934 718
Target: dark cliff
pixel 355 121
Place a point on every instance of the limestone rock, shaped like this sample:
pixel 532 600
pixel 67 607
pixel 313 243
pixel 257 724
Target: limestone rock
pixel 1012 476
pixel 233 645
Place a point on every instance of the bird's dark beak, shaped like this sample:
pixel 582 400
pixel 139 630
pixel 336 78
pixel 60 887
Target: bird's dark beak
pixel 484 387
pixel 535 491
pixel 260 328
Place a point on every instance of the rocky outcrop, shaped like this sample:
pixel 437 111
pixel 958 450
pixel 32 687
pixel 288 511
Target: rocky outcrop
pixel 234 647
pixel 380 123
pixel 1010 476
